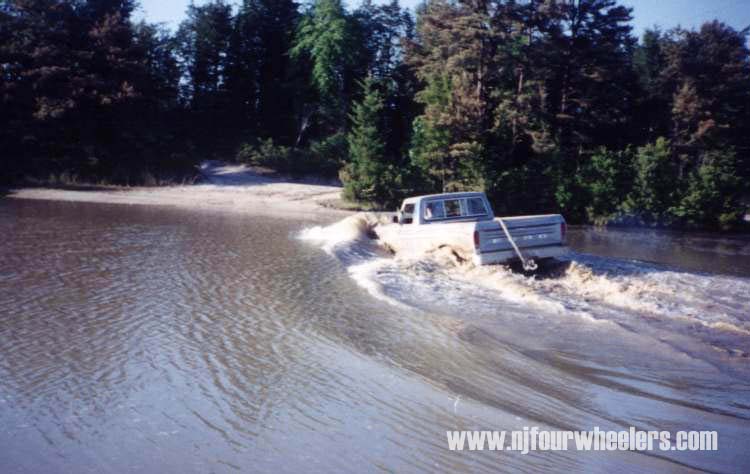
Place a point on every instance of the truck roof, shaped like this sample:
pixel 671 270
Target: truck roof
pixel 446 195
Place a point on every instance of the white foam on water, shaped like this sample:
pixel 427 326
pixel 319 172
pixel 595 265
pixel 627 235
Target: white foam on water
pixel 597 290
pixel 366 276
pixel 345 231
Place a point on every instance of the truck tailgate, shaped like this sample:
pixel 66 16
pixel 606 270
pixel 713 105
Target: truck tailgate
pixel 527 232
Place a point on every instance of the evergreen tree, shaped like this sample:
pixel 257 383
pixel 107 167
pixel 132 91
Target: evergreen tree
pixel 325 35
pixel 653 105
pixel 205 41
pixel 242 70
pixel 709 71
pixel 431 139
pixel 278 19
pixel 380 29
pixel 160 63
pixel 590 85
pixel 368 177
pixel 380 33
pixel 84 89
pixel 452 55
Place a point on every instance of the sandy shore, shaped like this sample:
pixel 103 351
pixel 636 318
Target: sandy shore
pixel 234 188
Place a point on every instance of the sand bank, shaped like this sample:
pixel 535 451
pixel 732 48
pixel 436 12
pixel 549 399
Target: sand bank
pixel 224 187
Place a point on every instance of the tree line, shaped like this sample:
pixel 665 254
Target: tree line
pixel 547 105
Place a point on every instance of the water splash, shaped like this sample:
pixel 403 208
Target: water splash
pixel 667 304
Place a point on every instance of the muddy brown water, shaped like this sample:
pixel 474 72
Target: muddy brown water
pixel 147 339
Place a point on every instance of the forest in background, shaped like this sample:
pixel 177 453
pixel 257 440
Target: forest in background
pixel 546 105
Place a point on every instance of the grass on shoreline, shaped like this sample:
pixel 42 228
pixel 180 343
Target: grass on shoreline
pixel 342 204
pixel 70 181
pixel 73 182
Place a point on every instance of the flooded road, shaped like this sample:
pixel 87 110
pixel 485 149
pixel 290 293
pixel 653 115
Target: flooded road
pixel 145 339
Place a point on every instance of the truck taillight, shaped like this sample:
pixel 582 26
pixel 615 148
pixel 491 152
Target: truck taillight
pixel 476 239
pixel 563 229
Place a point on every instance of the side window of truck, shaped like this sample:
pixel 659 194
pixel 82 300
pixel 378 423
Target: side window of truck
pixel 476 207
pixel 434 210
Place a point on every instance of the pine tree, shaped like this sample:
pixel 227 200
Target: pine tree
pixel 204 40
pixel 709 72
pixel 380 31
pixel 368 177
pixel 590 85
pixel 278 19
pixel 431 139
pixel 452 55
pixel 242 70
pixel 325 36
pixel 652 107
pixel 536 102
pixel 163 73
pixel 84 96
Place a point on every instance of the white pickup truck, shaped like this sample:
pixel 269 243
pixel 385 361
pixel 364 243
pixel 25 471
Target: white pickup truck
pixel 466 220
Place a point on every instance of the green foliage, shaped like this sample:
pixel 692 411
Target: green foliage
pixel 607 178
pixel 266 154
pixel 654 191
pixel 289 160
pixel 570 196
pixel 368 177
pixel 380 30
pixel 365 139
pixel 325 35
pixel 268 33
pixel 380 184
pixel 329 153
pixel 454 61
pixel 524 188
pixel 204 40
pixel 713 194
pixel 652 106
pixel 85 91
pixel 431 140
pixel 707 72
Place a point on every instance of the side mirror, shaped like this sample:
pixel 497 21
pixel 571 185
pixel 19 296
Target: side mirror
pixel 394 219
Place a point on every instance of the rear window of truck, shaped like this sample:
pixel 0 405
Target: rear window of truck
pixel 453 208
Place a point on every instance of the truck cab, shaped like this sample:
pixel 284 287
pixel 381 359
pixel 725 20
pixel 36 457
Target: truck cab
pixel 448 207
